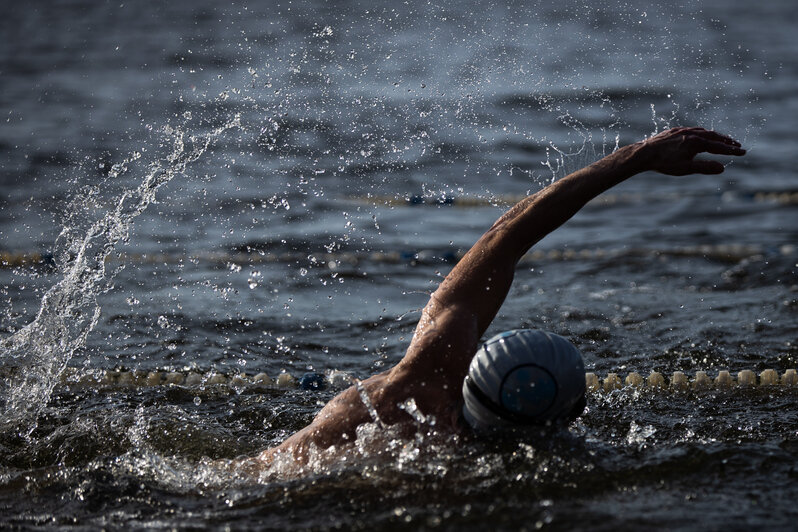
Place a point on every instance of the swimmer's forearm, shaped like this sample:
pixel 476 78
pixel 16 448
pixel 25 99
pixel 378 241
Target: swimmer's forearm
pixel 482 278
pixel 672 152
pixel 539 214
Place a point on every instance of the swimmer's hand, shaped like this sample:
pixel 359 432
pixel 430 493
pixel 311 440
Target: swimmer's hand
pixel 673 151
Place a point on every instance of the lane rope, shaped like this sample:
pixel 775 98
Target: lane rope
pixel 731 253
pixel 779 197
pixel 193 378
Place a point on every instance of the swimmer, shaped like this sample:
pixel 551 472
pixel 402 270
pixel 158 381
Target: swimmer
pixel 516 378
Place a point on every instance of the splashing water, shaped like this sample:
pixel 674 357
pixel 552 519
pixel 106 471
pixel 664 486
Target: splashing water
pixel 35 355
pixel 364 396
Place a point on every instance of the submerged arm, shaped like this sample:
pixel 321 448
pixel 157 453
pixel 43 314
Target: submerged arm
pixel 465 303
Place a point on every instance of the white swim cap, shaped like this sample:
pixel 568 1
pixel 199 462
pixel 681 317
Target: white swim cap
pixel 524 377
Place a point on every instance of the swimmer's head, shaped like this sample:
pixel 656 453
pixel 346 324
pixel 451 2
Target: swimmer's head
pixel 524 377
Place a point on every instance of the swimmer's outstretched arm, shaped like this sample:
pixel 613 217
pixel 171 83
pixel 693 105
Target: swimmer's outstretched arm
pixel 463 306
pixel 467 300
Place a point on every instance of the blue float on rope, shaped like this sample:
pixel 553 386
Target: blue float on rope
pixel 312 381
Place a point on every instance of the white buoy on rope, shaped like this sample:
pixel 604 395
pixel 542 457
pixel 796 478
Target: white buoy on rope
pixel 611 382
pixel 125 378
pixel 655 380
pixel 634 379
pixel 768 377
pixel 724 379
pixel 702 380
pixel 193 379
pixel 340 379
pixel 216 378
pixel 174 377
pixel 746 377
pixel 262 379
pixel 592 382
pixel 679 381
pixel 154 378
pixel 286 380
pixel 239 381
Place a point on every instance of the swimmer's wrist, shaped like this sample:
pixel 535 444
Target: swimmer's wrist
pixel 633 158
pixel 623 163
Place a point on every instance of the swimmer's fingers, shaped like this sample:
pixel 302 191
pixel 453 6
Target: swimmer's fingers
pixel 726 146
pixel 706 167
pixel 710 135
pixel 722 138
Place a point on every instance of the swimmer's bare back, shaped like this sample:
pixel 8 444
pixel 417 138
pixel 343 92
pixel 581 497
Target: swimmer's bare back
pixel 461 309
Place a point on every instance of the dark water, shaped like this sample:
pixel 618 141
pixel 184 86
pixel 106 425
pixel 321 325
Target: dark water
pixel 225 188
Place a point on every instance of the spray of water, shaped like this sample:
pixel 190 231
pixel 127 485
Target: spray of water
pixel 34 356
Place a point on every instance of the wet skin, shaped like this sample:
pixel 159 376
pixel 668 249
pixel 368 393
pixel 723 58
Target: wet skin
pixel 465 303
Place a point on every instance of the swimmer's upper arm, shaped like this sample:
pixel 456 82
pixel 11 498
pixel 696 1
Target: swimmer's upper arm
pixel 461 309
pixel 438 356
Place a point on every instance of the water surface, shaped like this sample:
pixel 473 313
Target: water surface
pixel 245 189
